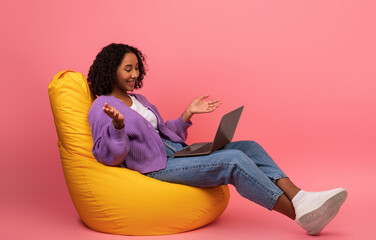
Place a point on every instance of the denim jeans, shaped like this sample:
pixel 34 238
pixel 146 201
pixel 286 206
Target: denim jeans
pixel 243 164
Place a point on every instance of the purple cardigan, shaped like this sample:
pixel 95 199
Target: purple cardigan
pixel 138 146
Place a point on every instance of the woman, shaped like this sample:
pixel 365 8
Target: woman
pixel 128 131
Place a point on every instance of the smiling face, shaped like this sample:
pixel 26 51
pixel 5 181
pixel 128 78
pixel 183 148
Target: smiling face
pixel 127 74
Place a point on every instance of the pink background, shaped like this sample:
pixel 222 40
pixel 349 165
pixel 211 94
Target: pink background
pixel 305 71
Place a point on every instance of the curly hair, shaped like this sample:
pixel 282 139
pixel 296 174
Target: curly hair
pixel 102 73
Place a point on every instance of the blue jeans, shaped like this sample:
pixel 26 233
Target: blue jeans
pixel 243 164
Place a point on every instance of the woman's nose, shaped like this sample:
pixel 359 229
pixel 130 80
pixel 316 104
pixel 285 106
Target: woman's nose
pixel 135 74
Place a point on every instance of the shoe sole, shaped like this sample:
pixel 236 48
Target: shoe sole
pixel 320 217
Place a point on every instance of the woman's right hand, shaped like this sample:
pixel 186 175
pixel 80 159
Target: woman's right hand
pixel 117 117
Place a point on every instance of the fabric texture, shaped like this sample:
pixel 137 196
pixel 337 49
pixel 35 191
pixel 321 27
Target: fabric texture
pixel 138 144
pixel 118 200
pixel 243 164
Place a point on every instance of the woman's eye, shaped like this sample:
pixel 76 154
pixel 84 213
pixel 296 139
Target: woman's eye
pixel 128 70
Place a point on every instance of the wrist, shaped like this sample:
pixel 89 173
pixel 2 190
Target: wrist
pixel 187 114
pixel 118 125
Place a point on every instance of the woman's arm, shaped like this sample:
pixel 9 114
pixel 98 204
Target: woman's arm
pixel 111 143
pixel 197 106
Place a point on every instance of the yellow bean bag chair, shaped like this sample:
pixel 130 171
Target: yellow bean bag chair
pixel 118 200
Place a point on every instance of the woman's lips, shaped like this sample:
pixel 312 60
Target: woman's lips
pixel 131 83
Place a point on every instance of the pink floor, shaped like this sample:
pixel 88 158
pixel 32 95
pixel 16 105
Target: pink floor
pixel 46 211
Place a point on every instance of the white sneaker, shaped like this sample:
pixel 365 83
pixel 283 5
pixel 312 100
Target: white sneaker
pixel 314 210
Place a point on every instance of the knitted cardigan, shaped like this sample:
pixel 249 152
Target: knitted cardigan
pixel 137 146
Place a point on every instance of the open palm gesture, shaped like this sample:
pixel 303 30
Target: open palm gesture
pixel 117 117
pixel 198 105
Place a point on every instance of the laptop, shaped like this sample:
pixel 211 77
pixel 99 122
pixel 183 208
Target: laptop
pixel 224 135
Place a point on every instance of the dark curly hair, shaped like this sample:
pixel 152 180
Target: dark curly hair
pixel 102 73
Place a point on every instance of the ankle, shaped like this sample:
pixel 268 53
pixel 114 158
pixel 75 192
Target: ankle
pixel 284 206
pixel 288 187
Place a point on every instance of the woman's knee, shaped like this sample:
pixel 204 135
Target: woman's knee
pixel 253 144
pixel 243 145
pixel 233 152
pixel 237 157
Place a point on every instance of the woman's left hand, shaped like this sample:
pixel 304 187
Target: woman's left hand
pixel 198 106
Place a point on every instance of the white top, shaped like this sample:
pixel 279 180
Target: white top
pixel 143 111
